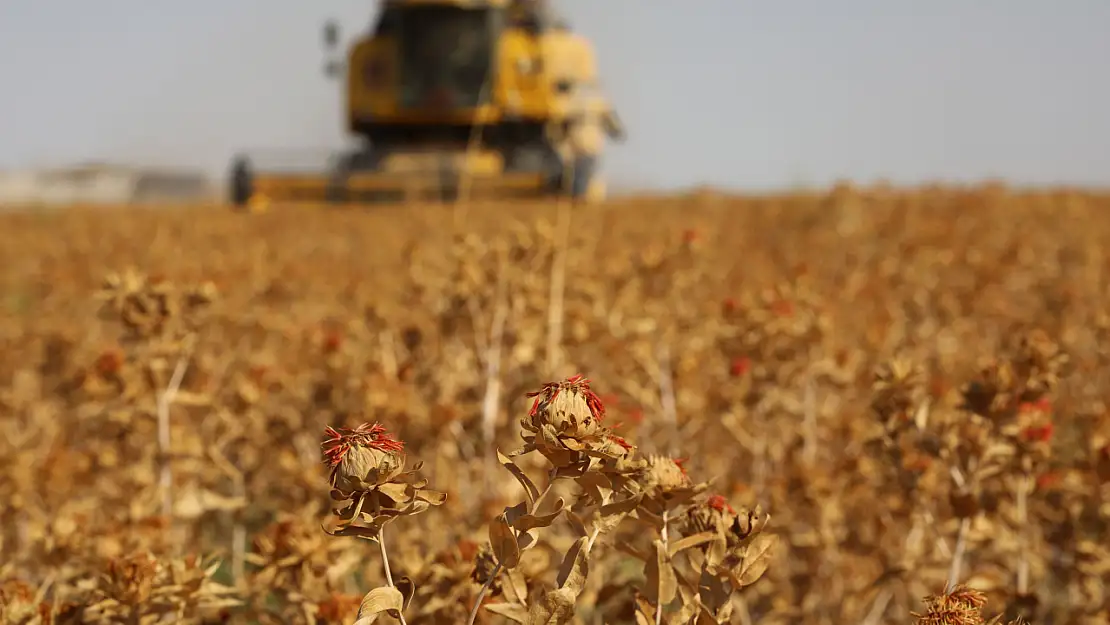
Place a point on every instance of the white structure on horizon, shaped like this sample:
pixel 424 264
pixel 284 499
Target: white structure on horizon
pixel 97 183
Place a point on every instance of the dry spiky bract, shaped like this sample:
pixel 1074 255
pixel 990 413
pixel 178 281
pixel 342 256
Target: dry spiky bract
pixel 959 606
pixel 913 383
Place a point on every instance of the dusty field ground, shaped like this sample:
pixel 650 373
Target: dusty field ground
pixel 912 385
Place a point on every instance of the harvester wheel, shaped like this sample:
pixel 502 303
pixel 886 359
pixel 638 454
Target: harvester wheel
pixel 337 191
pixel 241 182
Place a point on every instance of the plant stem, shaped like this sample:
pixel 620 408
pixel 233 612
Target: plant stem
pixel 165 400
pixel 663 536
pixel 482 595
pixel 878 608
pixel 809 423
pixel 883 599
pixel 491 400
pixel 958 555
pixel 385 565
pixel 665 380
pixel 239 537
pixel 1022 497
pixel 592 539
pixel 557 295
pixel 543 494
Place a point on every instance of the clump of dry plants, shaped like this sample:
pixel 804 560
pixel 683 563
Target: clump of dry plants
pixel 612 483
pixel 912 383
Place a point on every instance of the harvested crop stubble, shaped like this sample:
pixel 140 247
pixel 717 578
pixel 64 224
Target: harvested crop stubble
pixel 894 394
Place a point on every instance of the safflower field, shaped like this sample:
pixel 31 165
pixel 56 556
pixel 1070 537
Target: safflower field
pixel 865 405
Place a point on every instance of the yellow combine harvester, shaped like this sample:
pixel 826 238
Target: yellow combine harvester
pixel 449 99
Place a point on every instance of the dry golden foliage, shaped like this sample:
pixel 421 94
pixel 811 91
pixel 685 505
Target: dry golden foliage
pixel 913 384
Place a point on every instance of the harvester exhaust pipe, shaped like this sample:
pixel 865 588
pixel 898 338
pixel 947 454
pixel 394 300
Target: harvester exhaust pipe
pixel 333 65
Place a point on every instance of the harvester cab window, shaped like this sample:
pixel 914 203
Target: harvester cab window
pixel 535 16
pixel 447 54
pixel 385 24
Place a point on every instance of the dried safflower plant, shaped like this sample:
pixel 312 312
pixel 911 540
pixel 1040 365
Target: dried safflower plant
pixel 937 276
pixel 161 322
pixel 565 425
pixel 141 588
pixel 372 488
pixel 725 552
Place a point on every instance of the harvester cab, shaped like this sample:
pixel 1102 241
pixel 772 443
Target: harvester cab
pixel 451 98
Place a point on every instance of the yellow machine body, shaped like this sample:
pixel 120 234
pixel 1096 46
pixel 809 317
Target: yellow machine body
pixel 493 98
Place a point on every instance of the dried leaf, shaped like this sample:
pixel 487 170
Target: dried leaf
pixel 712 591
pixel 530 489
pixel 517 586
pixel 687 612
pixel 717 551
pixel 515 612
pixel 368 532
pixel 433 497
pixel 757 557
pixel 407 588
pixel 556 608
pixel 577 524
pixel 645 612
pixel 621 507
pixel 527 522
pixel 650 518
pixel 382 599
pixel 632 550
pixel 690 541
pixel 575 568
pixel 661 584
pixel 596 487
pixel 504 542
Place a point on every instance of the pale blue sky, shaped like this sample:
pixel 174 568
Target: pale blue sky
pixel 725 92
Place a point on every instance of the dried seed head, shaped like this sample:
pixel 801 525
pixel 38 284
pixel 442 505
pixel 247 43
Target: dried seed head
pixel 719 503
pixel 960 606
pixel 569 407
pixel 666 474
pixel 618 445
pixel 17 603
pixel 362 458
pixel 129 580
pixel 898 386
pixel 712 515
